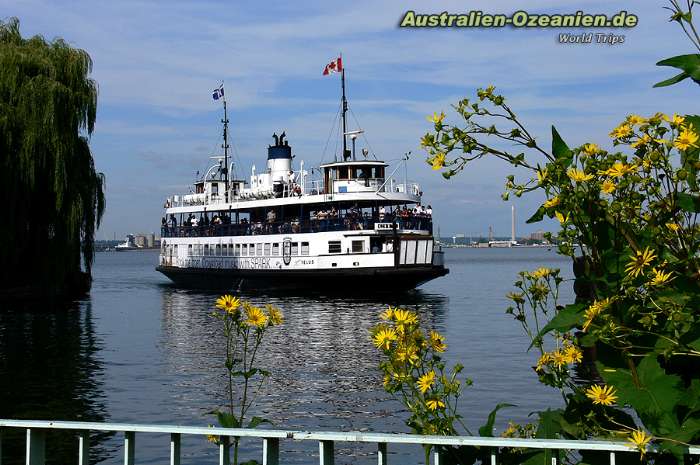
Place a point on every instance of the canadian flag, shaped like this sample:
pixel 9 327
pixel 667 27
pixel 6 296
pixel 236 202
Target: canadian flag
pixel 334 66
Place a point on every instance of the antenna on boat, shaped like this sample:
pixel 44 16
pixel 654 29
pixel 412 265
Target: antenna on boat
pixel 225 146
pixel 346 155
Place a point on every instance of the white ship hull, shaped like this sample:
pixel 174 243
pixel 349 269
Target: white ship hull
pixel 342 260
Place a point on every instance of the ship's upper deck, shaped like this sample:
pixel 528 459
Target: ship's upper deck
pixel 348 182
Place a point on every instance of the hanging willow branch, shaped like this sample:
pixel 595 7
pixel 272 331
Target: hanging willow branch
pixel 53 197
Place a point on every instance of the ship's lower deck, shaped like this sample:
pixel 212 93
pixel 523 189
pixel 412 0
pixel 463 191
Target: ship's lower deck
pixel 344 261
pixel 348 280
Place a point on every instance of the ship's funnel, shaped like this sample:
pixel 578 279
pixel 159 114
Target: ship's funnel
pixel 279 159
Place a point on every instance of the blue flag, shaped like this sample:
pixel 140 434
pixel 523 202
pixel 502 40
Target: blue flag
pixel 218 93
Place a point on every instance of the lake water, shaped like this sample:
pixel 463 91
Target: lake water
pixel 140 350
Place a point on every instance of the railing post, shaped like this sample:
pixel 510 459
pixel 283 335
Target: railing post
pixel 36 447
pixel 436 456
pixel 129 444
pixel 84 448
pixel 325 453
pixel 494 456
pixel 271 451
pixel 612 458
pixel 381 453
pixel 224 455
pixel 555 457
pixel 175 449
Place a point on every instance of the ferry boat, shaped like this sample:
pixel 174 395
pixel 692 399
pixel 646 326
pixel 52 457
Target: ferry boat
pixel 352 228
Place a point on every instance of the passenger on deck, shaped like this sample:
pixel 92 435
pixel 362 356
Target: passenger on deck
pixel 429 211
pixel 382 213
pixel 271 216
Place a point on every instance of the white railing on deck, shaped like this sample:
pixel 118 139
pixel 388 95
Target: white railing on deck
pixel 36 435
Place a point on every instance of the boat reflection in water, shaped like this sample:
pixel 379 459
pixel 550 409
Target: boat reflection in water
pixel 324 368
pixel 49 369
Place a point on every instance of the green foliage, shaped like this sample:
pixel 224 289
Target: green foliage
pixel 415 373
pixel 688 64
pixel 628 220
pixel 48 181
pixel 244 327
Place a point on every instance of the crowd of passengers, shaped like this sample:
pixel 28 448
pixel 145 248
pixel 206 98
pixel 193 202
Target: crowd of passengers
pixel 320 220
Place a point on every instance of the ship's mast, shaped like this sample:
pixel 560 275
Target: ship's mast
pixel 345 109
pixel 225 147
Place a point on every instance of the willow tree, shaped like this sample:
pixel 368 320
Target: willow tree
pixel 52 196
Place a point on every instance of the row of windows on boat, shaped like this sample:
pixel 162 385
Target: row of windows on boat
pixel 418 218
pixel 266 249
pixel 271 215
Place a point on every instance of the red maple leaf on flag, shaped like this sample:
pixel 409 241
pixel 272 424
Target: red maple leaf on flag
pixel 335 66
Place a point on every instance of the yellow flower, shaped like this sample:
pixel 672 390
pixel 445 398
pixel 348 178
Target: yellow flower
pixel 228 303
pixel 643 140
pixel 686 139
pixel 640 439
pixel 635 119
pixel 619 169
pixel 562 219
pixel 384 337
pixel 437 341
pixel 558 359
pixel 409 354
pixel 578 175
pixel 511 431
pixel 677 120
pixel 603 395
pixel 434 404
pixel 426 381
pixel 673 226
pixel 542 362
pixel 573 354
pixel 437 119
pixel 591 149
pixel 426 140
pixel 595 309
pixel 438 161
pixel 553 202
pixel 387 314
pixel 542 174
pixel 213 439
pixel 608 186
pixel 405 317
pixel 255 317
pixel 639 261
pixel 541 272
pixel 275 315
pixel 622 131
pixel 660 278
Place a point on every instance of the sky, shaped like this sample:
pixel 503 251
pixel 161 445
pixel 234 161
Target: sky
pixel 156 64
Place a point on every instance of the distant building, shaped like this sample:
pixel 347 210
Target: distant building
pixel 151 240
pixel 537 235
pixel 140 240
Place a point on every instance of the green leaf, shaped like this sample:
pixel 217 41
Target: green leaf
pixel 487 429
pixel 656 396
pixel 226 420
pixel 560 150
pixel 688 202
pixel 537 217
pixel 567 318
pixel 689 64
pixel 550 424
pixel 674 80
pixel 255 421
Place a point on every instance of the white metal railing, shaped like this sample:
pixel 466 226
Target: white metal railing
pixel 36 436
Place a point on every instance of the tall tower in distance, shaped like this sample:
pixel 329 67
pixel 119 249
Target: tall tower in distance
pixel 512 224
